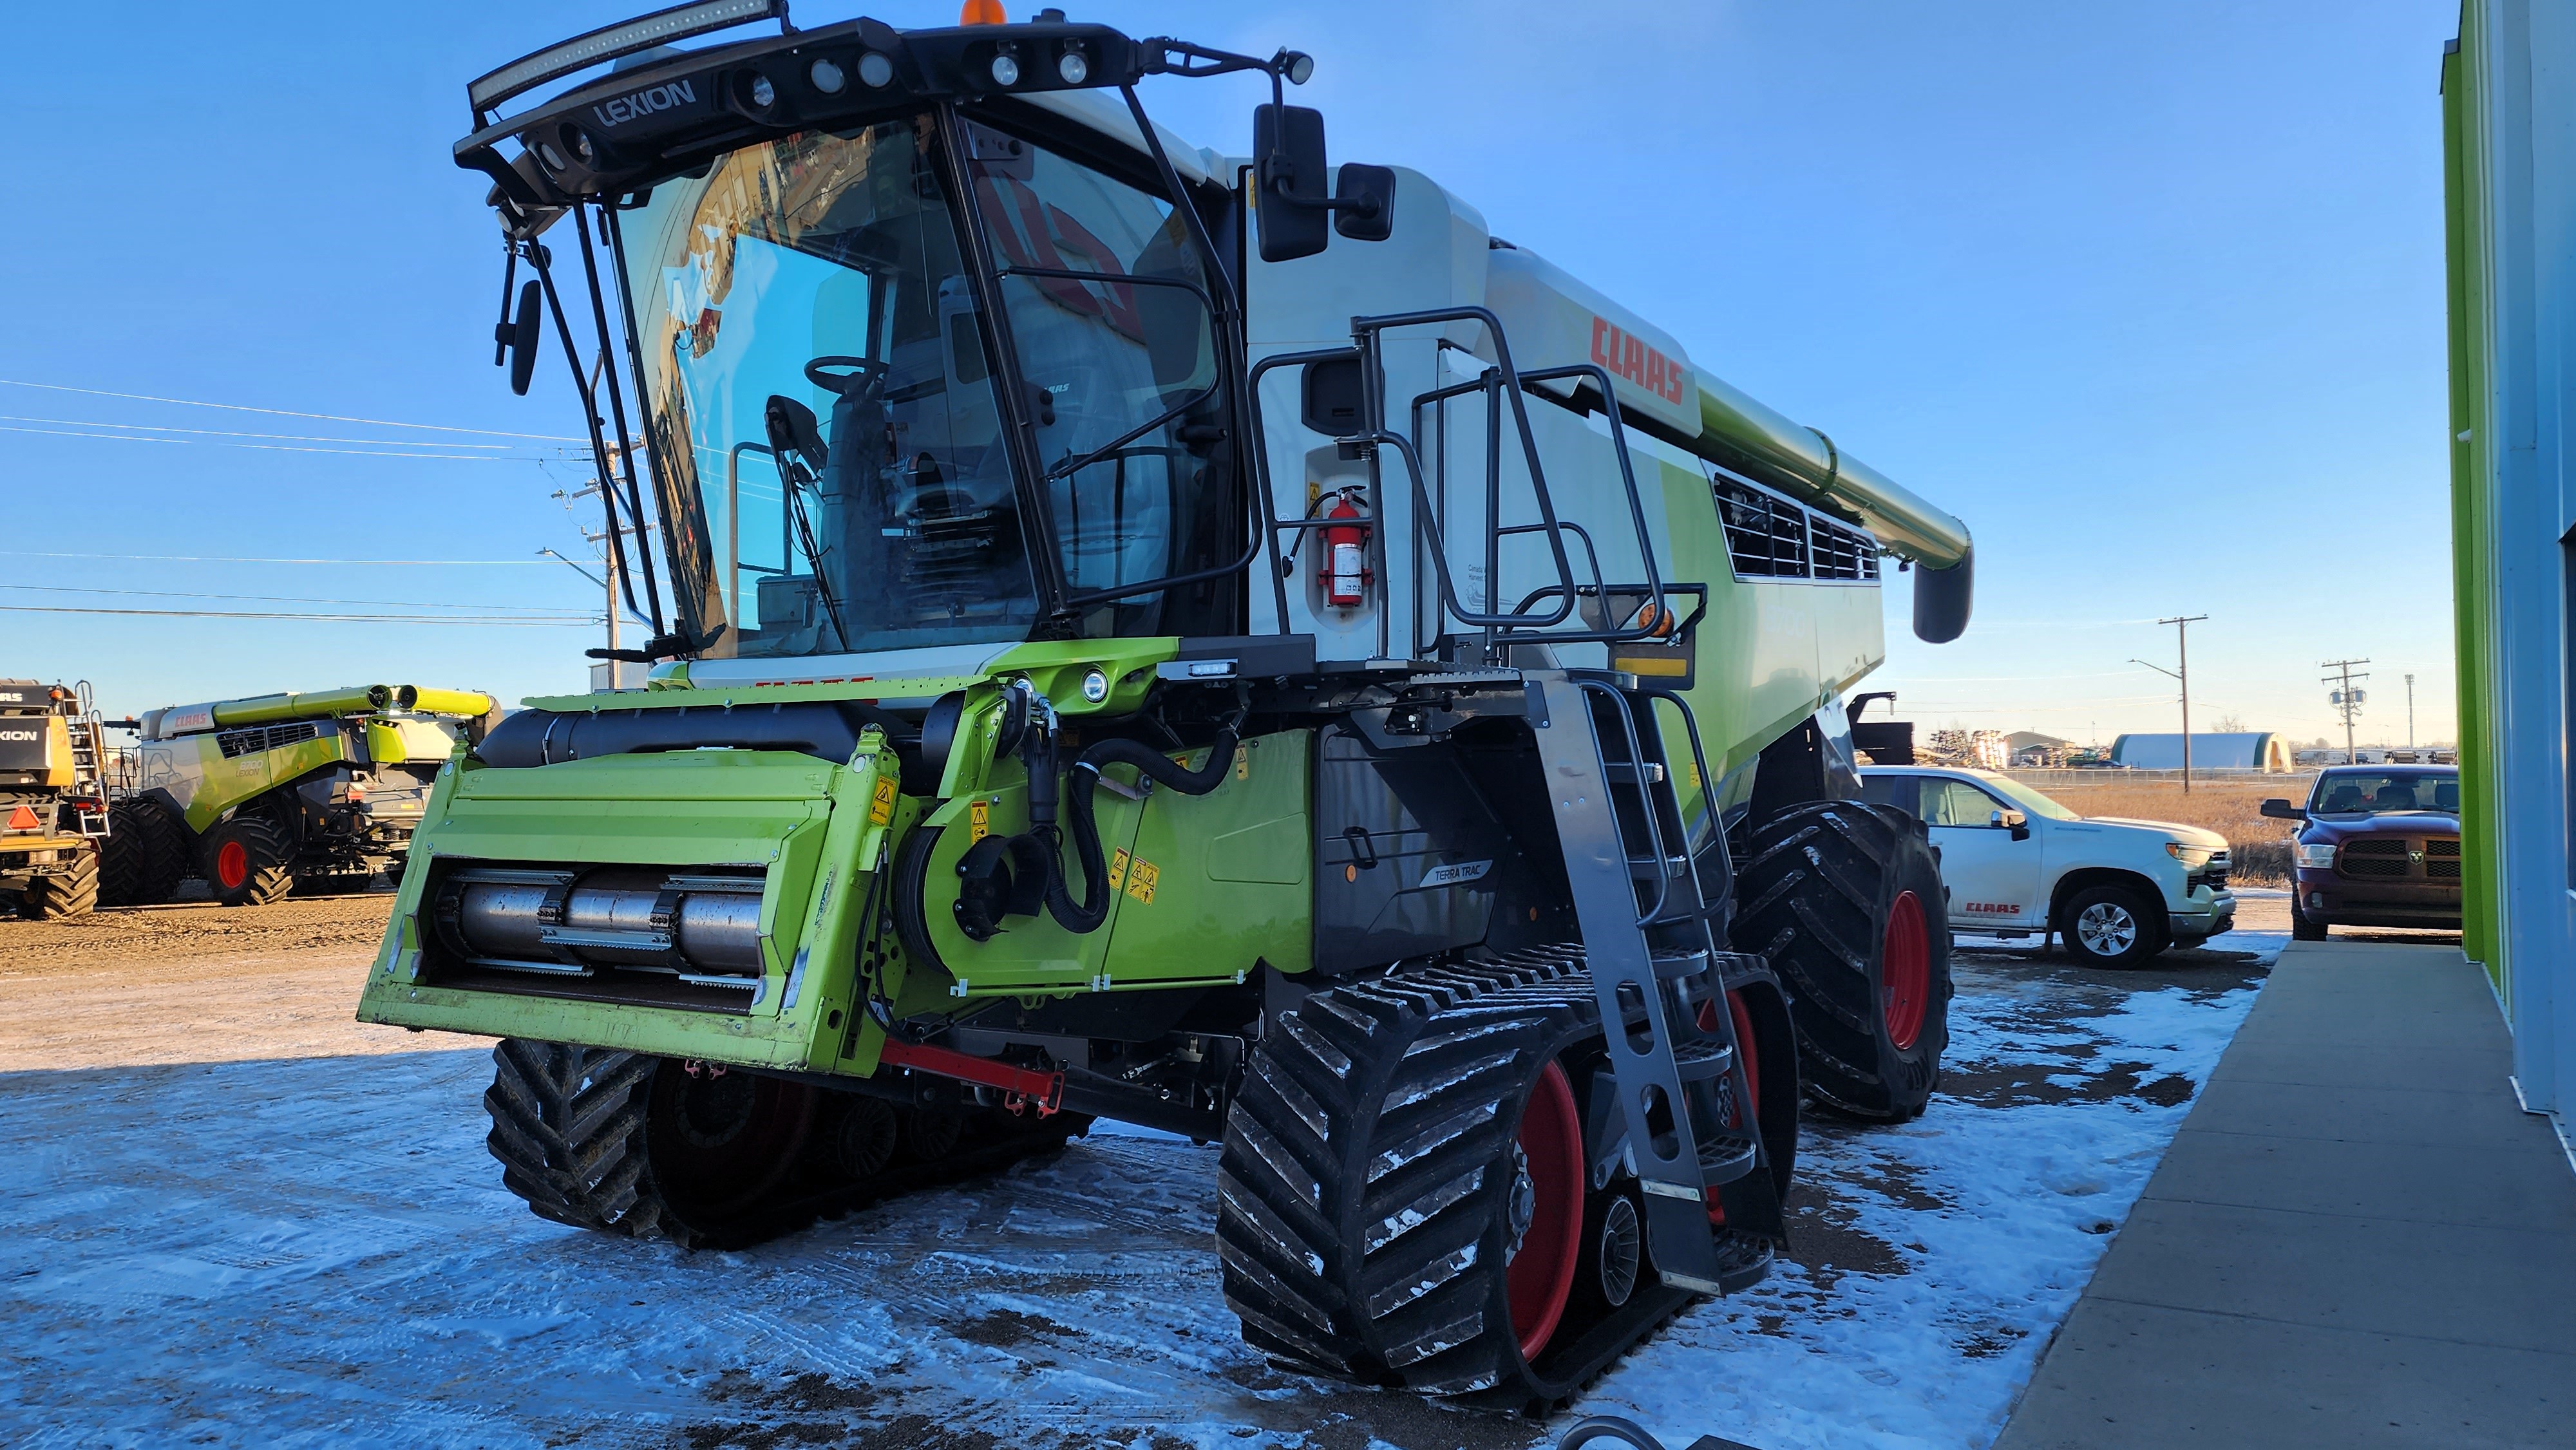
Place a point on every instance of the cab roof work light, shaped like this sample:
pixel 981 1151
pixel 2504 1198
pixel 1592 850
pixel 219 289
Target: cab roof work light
pixel 612 41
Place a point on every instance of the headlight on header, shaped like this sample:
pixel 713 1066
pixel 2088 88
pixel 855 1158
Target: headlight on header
pixel 2192 857
pixel 2318 857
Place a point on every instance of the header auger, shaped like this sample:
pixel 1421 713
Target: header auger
pixel 1222 643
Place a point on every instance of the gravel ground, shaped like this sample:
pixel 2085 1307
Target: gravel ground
pixel 232 1219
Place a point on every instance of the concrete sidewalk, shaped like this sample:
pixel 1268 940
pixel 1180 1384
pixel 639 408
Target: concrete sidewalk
pixel 2357 1239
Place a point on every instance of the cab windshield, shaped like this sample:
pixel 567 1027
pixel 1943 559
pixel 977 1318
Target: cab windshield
pixel 2374 792
pixel 823 394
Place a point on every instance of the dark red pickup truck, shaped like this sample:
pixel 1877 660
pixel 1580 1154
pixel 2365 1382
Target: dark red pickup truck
pixel 2381 847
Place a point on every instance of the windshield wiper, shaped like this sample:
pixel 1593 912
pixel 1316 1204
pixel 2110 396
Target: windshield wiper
pixel 796 443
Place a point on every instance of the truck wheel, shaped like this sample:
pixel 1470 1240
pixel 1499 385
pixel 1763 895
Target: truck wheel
pixel 1402 1197
pixel 2111 926
pixel 249 861
pixel 144 858
pixel 1844 899
pixel 72 891
pixel 2304 927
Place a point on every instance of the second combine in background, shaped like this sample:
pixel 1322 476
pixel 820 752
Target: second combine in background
pixel 314 792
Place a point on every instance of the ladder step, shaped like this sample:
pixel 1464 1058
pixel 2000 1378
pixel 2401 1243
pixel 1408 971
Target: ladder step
pixel 1627 772
pixel 1725 1157
pixel 1675 966
pixel 1702 1060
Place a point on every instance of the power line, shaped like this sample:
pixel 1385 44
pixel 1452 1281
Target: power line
pixel 287 412
pixel 227 433
pixel 265 447
pixel 234 559
pixel 287 599
pixel 319 618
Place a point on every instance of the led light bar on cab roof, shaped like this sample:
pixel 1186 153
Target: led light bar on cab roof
pixel 611 41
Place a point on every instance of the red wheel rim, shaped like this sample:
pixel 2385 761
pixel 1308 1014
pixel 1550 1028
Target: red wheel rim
pixel 1905 971
pixel 232 865
pixel 1752 1071
pixel 1542 1272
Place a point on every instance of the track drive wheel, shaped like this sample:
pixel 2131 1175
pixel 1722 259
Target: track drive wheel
pixel 71 891
pixel 249 860
pixel 144 857
pixel 1844 899
pixel 1402 1196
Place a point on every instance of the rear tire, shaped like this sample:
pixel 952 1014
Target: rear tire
pixel 1844 899
pixel 249 860
pixel 144 857
pixel 72 891
pixel 2112 926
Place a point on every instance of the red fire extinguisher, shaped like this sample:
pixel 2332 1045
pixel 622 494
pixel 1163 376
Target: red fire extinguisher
pixel 1347 573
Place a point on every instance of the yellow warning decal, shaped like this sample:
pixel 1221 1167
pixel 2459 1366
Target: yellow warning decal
pixel 1117 870
pixel 1243 762
pixel 1141 877
pixel 881 809
pixel 979 816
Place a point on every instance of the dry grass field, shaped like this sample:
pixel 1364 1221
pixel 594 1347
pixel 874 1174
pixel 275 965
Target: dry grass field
pixel 2233 808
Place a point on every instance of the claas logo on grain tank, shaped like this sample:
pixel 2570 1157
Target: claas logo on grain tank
pixel 1627 354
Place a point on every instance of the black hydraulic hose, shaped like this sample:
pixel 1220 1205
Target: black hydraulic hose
pixel 1093 909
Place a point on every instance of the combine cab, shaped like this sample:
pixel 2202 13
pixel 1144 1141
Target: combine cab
pixel 315 792
pixel 1221 643
pixel 54 766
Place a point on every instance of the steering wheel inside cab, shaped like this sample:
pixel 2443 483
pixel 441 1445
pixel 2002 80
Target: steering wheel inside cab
pixel 861 375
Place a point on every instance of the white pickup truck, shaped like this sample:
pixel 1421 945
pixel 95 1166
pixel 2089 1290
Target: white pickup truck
pixel 2015 862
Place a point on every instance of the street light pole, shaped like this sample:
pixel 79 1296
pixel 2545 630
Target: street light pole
pixel 2410 712
pixel 2182 643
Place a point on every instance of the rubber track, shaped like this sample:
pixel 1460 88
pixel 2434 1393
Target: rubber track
pixel 70 891
pixel 1360 1214
pixel 1813 897
pixel 568 1126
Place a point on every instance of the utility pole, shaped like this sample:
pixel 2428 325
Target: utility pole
pixel 2347 700
pixel 2410 712
pixel 2182 644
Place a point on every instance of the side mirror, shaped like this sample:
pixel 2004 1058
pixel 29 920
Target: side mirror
pixel 521 335
pixel 1288 182
pixel 792 428
pixel 1364 202
pixel 2013 821
pixel 2280 809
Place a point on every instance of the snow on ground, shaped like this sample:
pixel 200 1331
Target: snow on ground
pixel 317 1251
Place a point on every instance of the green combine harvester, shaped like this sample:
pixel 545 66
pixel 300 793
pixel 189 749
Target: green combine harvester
pixel 1224 643
pixel 314 792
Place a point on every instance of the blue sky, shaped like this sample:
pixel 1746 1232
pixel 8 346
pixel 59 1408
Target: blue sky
pixel 2149 294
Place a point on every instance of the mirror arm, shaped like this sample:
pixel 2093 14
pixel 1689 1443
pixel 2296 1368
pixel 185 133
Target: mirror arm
pixel 1360 207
